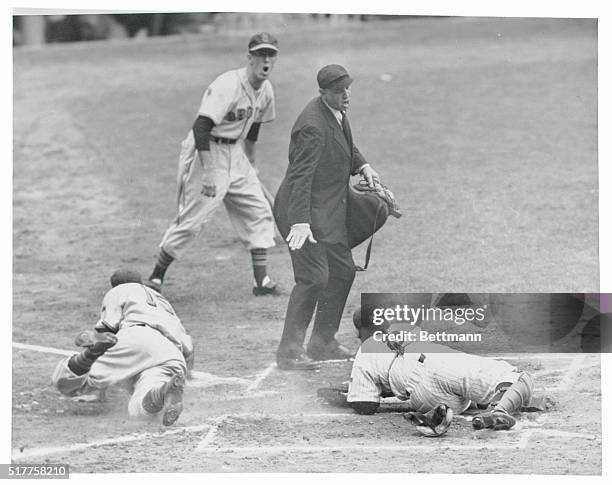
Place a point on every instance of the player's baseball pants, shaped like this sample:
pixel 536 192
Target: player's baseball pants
pixel 142 359
pixel 455 379
pixel 238 188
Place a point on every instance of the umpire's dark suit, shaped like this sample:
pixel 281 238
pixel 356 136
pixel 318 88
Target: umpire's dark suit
pixel 322 158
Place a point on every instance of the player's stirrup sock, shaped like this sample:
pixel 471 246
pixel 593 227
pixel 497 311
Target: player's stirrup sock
pixel 259 256
pixel 163 261
pixel 81 363
pixel 153 402
pixel 517 395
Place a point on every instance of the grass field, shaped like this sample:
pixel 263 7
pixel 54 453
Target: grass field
pixel 487 134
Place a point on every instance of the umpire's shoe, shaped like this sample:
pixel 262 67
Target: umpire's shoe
pixel 267 287
pixel 296 362
pixel 168 397
pixel 331 351
pixel 497 420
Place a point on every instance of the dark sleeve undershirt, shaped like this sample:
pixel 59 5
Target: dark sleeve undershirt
pixel 253 132
pixel 201 132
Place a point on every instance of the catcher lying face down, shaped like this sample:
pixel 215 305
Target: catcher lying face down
pixel 435 382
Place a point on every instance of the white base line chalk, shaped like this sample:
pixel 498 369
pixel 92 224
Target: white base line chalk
pixel 212 432
pixel 201 379
pixel 259 378
pixel 37 452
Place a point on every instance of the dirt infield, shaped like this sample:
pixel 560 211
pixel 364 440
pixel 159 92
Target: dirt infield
pixel 485 129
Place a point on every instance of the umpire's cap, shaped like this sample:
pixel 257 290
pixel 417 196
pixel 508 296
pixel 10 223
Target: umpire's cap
pixel 122 276
pixel 334 77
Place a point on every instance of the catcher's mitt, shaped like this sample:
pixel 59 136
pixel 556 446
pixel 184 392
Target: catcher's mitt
pixel 433 423
pixel 368 210
pixel 384 193
pixel 334 395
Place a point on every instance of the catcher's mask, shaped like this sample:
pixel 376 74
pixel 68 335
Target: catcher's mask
pixel 122 276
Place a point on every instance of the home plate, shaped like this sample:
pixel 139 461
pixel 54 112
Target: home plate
pixel 204 379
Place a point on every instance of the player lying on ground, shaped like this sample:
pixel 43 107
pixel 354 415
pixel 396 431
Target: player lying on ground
pixel 432 378
pixel 138 342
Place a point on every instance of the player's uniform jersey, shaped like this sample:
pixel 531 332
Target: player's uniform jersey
pixel 426 375
pixel 135 304
pixel 233 106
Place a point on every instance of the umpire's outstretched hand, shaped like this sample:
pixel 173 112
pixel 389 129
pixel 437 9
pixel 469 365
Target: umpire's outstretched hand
pixel 298 235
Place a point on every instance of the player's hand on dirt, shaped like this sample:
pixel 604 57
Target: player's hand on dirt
pixel 370 176
pixel 298 235
pixel 209 185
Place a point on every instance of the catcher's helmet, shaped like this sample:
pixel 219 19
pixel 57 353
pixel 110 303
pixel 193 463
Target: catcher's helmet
pixel 122 276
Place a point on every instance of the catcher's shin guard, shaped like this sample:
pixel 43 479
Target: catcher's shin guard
pixel 496 420
pixel 517 395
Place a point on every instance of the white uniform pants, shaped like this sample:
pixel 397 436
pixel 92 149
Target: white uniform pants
pixel 142 359
pixel 238 188
pixel 456 379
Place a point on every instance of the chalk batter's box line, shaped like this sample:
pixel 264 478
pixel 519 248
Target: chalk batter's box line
pixel 212 427
pixel 441 444
pixel 28 454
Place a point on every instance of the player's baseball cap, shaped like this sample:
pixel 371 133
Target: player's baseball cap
pixel 263 40
pixel 334 77
pixel 122 276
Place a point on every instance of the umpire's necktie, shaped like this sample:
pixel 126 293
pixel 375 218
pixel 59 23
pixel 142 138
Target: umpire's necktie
pixel 345 129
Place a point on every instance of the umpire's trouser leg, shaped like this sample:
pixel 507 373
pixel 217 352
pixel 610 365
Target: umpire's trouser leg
pixel 333 298
pixel 311 273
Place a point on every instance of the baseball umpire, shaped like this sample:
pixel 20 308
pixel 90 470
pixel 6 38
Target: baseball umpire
pixel 139 342
pixel 216 165
pixel 311 212
pixel 427 375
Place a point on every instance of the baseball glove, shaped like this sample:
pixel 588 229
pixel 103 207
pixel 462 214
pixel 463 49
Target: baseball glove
pixel 96 342
pixel 334 395
pixel 433 423
pixel 384 193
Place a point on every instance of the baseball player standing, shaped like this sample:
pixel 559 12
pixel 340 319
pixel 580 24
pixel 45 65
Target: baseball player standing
pixel 138 341
pixel 425 375
pixel 216 165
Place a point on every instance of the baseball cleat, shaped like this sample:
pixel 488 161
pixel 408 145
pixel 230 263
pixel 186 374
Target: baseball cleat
pixel 173 399
pixel 496 420
pixel 335 351
pixel 97 342
pixel 297 362
pixel 267 287
pixel 155 284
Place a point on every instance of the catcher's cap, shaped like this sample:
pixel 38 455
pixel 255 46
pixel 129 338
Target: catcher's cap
pixel 263 40
pixel 334 77
pixel 122 276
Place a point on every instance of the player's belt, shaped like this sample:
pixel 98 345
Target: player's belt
pixel 226 141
